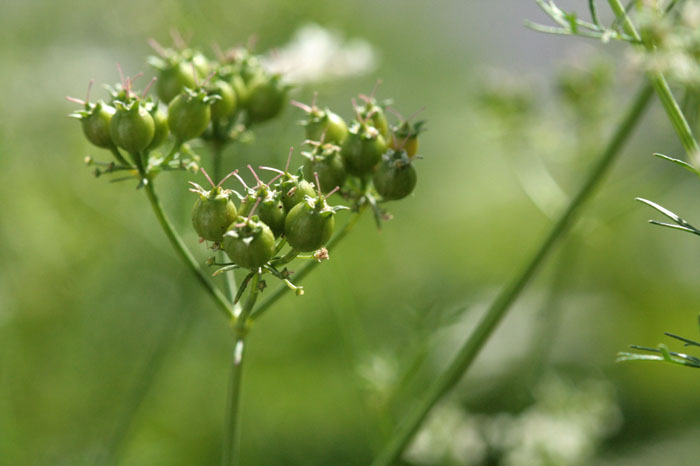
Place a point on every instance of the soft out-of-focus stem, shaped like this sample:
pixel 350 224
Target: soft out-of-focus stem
pixel 658 80
pixel 231 438
pixel 172 332
pixel 493 316
pixel 309 266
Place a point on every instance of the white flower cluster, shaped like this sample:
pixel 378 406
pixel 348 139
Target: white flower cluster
pixel 316 54
pixel 563 426
pixel 676 42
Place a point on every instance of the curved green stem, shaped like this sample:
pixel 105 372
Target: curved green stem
pixel 231 439
pixel 488 323
pixel 287 258
pixel 658 80
pixel 308 267
pixel 176 147
pixel 118 155
pixel 229 276
pixel 176 241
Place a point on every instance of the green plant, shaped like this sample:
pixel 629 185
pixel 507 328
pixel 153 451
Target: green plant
pixel 622 29
pixel 275 223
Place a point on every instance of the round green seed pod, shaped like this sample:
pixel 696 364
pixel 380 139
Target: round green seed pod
pixel 266 98
pixel 309 225
pixel 132 127
pixel 249 243
pixel 189 115
pixel 213 214
pixel 295 191
pixel 328 164
pixel 270 210
pixel 160 120
pixel 226 105
pixel 173 79
pixel 395 178
pixel 377 117
pixel 96 124
pixel 326 125
pixel 362 149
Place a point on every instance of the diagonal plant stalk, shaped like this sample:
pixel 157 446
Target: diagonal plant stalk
pixel 179 245
pixel 154 363
pixel 488 323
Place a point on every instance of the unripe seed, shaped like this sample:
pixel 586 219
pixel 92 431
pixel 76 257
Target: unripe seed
pixel 266 203
pixel 96 124
pixel 325 160
pixel 132 127
pixel 266 97
pixel 309 225
pixel 270 210
pixel 189 115
pixel 173 79
pixel 213 213
pixel 226 105
pixel 249 243
pixel 160 120
pixel 295 191
pixel 362 149
pixel 395 177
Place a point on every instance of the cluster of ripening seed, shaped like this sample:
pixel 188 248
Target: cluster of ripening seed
pixel 365 162
pixel 368 161
pixel 216 100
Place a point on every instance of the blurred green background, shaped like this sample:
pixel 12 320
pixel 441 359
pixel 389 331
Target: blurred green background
pixel 89 287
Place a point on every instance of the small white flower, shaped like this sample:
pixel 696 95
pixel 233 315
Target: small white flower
pixel 317 54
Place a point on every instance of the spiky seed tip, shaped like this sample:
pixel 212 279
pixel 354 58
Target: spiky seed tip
pixel 300 105
pixel 148 87
pixel 289 159
pixel 206 175
pixel 159 49
pixel 255 175
pixel 226 178
pixel 318 185
pixel 238 177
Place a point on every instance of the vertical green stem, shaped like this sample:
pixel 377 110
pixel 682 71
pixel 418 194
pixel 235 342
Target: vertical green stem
pixel 229 277
pixel 231 438
pixel 488 323
pixel 675 114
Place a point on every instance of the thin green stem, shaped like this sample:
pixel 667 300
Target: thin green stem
pixel 675 114
pixel 176 241
pixel 594 13
pixel 231 439
pixel 118 155
pixel 308 267
pixel 229 276
pixel 488 323
pixel 287 258
pixel 176 147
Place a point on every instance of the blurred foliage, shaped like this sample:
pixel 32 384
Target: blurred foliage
pixel 88 283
